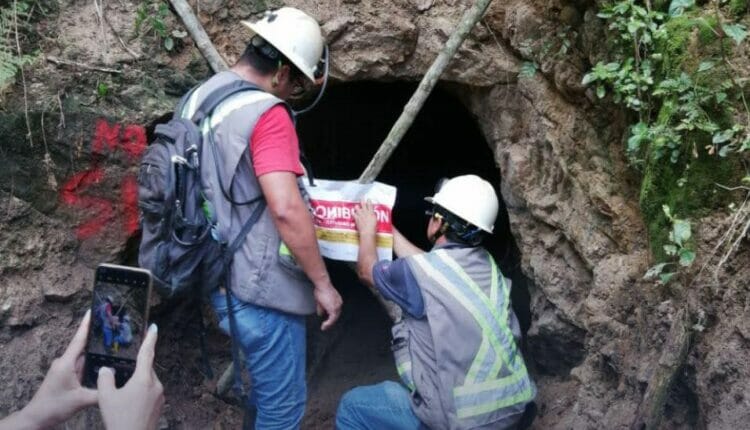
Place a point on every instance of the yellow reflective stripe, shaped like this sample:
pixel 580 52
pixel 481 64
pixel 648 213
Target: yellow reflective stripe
pixel 483 298
pixel 445 283
pixel 492 384
pixel 404 371
pixel 493 286
pixel 483 408
pixel 471 377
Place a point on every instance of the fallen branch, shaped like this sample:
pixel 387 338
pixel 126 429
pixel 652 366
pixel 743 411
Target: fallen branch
pixel 412 108
pixel 60 62
pixel 195 29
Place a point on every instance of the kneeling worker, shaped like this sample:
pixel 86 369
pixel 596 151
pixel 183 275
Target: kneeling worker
pixel 455 348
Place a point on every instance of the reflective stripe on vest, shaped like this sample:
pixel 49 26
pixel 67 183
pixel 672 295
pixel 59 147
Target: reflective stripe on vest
pixel 404 371
pixel 497 377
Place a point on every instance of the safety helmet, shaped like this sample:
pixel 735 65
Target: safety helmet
pixel 470 198
pixel 295 34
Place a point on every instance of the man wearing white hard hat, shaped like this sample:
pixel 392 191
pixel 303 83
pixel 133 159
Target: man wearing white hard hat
pixel 456 346
pixel 277 276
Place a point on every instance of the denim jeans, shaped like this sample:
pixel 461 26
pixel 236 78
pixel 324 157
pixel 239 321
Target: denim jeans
pixel 274 346
pixel 383 406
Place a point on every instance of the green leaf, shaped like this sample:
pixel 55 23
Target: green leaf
pixel 664 278
pixel 723 136
pixel 687 257
pixel 746 180
pixel 737 32
pixel 681 231
pixel 588 78
pixel 706 65
pixel 653 272
pixel 600 91
pixel 667 211
pixel 168 43
pixel 528 69
pixel 720 97
pixel 678 7
pixel 724 151
pixel 102 89
pixel 670 249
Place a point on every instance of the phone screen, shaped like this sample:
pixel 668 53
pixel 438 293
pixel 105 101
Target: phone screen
pixel 119 318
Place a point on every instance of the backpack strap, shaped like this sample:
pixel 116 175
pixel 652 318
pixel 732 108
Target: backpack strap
pixel 233 331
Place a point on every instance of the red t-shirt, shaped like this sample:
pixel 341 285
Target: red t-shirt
pixel 274 145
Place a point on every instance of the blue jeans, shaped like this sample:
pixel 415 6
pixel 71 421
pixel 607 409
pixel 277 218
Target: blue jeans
pixel 274 346
pixel 107 335
pixel 383 406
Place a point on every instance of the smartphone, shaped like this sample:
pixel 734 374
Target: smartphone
pixel 119 318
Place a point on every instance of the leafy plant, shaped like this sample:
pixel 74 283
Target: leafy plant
pixel 671 67
pixel 150 20
pixel 678 250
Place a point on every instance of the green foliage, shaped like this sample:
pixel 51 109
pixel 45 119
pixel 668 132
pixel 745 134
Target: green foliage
pixel 553 46
pixel 150 20
pixel 528 69
pixel 737 32
pixel 738 7
pixel 678 249
pixel 678 7
pixel 10 61
pixel 671 70
pixel 102 89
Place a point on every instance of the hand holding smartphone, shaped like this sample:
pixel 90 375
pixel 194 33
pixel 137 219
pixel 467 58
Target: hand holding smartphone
pixel 119 320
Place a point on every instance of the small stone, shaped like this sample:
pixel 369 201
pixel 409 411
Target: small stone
pixel 422 5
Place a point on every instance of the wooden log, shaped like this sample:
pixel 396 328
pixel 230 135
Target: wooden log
pixel 196 31
pixel 651 410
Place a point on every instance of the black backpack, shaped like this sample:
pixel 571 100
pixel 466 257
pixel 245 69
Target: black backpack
pixel 180 245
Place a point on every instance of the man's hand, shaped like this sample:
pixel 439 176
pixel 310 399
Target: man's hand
pixel 328 303
pixel 367 223
pixel 137 405
pixel 365 219
pixel 61 395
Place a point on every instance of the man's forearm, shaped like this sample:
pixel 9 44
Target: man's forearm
pixel 366 258
pixel 402 247
pixel 294 224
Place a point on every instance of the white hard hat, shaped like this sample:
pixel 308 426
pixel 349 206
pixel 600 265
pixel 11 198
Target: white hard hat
pixel 295 34
pixel 470 198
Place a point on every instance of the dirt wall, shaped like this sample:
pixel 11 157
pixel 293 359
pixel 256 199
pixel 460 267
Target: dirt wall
pixel 597 329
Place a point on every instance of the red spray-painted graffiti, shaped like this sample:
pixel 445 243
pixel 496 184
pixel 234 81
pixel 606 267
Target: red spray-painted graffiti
pixel 108 138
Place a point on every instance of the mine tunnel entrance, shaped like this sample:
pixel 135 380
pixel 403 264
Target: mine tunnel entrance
pixel 339 138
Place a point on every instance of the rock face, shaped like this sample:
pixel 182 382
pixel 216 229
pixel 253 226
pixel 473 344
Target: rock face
pixel 597 330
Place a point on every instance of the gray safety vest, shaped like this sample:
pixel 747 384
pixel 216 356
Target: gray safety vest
pixel 461 361
pixel 263 271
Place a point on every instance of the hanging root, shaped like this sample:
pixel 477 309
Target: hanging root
pixel 732 237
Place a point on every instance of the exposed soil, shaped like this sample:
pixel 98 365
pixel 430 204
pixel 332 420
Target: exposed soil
pixel 573 237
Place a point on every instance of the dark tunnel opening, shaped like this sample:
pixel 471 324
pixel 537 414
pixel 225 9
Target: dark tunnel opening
pixel 339 137
pixel 342 133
